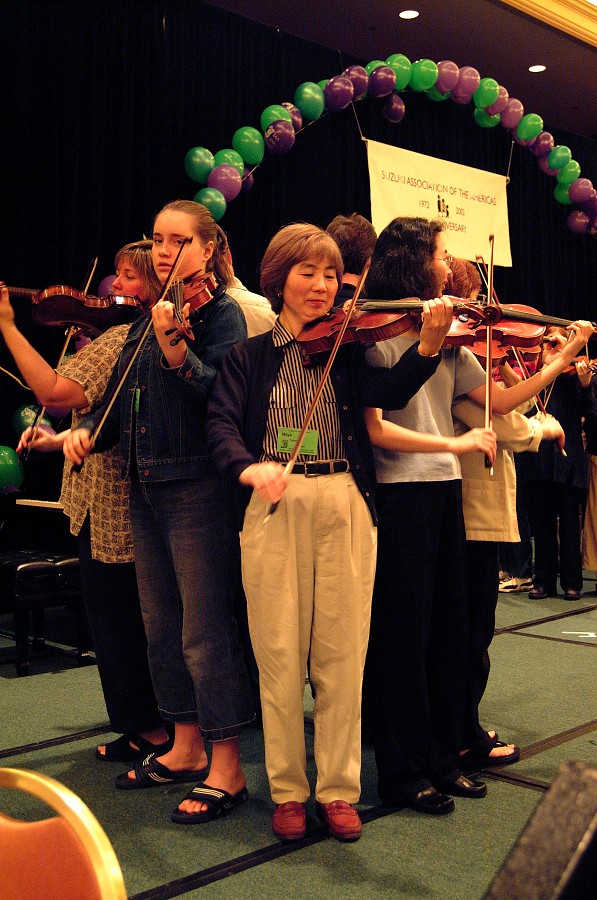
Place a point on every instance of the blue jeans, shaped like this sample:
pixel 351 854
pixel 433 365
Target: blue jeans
pixel 186 557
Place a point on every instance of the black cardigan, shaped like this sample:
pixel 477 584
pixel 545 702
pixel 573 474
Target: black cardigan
pixel 238 405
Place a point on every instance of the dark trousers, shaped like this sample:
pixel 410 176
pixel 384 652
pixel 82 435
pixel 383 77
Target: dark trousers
pixel 417 663
pixel 483 584
pixel 112 606
pixel 554 510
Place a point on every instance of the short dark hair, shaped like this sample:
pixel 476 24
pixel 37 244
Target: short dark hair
pixel 291 245
pixel 356 238
pixel 401 264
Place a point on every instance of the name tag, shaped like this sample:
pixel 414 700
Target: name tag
pixel 287 438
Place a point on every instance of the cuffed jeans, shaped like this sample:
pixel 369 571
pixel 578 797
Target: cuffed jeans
pixel 186 554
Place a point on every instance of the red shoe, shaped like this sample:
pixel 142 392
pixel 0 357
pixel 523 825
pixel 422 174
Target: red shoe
pixel 289 822
pixel 342 820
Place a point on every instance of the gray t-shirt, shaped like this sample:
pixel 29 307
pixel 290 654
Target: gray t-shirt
pixel 429 411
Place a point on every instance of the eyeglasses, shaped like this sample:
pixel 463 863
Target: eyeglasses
pixel 447 259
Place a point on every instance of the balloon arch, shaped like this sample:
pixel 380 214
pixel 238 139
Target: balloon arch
pixel 230 172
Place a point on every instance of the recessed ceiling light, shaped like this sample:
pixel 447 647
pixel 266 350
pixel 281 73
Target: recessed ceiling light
pixel 410 14
pixel 540 68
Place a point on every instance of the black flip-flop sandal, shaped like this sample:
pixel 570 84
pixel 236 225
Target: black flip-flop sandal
pixel 120 749
pixel 151 773
pixel 219 804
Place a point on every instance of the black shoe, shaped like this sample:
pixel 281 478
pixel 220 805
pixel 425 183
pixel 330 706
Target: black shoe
pixel 428 800
pixel 539 593
pixel 462 787
pixel 571 594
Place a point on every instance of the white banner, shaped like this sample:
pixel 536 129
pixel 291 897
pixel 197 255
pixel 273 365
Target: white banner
pixel 472 202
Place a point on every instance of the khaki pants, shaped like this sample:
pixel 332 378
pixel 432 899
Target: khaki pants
pixel 308 576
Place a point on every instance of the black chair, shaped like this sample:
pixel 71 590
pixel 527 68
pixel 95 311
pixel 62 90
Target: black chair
pixel 32 581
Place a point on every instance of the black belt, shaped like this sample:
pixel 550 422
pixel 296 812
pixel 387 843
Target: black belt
pixel 324 467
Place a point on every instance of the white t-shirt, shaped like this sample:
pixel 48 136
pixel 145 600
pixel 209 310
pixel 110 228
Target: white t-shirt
pixel 429 411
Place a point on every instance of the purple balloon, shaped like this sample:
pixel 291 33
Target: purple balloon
pixel 105 286
pixel 590 205
pixel 447 77
pixel 360 80
pixel 578 221
pixel 382 81
pixel 226 179
pixel 592 229
pixel 338 93
pixel 513 113
pixel 279 137
pixel 81 341
pixel 580 190
pixel 461 96
pixel 248 181
pixel 499 105
pixel 545 168
pixel 468 81
pixel 543 144
pixel 394 108
pixel 295 115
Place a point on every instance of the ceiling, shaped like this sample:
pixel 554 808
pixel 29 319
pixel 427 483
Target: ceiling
pixel 493 37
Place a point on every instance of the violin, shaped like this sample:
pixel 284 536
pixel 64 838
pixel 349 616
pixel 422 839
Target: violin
pixel 387 319
pixel 64 306
pixel 196 290
pixel 571 369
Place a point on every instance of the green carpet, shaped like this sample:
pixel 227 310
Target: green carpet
pixel 541 693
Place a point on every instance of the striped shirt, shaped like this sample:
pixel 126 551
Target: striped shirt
pixel 289 401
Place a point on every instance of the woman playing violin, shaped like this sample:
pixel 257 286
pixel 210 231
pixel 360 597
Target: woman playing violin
pixel 417 664
pixel 556 484
pixel 308 567
pixel 96 502
pixel 183 535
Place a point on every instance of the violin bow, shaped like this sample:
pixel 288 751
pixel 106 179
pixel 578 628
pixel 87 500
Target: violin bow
pixel 519 358
pixel 318 391
pixel 68 335
pixel 135 350
pixel 488 343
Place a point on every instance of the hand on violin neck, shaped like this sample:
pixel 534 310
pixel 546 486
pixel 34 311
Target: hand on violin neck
pixel 165 323
pixel 7 314
pixel 436 320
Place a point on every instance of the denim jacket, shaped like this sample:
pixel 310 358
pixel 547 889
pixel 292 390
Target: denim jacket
pixel 159 416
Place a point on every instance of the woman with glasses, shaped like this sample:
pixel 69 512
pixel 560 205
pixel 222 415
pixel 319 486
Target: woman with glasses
pixel 416 676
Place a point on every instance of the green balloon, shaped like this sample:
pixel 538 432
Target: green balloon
pixel 213 200
pixel 423 74
pixel 558 157
pixel 435 95
pixel 483 118
pixel 487 93
pixel 274 113
pixel 529 127
pixel 569 173
pixel 249 144
pixel 25 416
pixel 309 98
pixel 230 158
pixel 11 470
pixel 198 164
pixel 561 194
pixel 374 64
pixel 402 68
pixel 322 85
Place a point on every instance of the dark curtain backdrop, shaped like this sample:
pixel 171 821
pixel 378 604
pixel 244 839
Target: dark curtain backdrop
pixel 102 100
